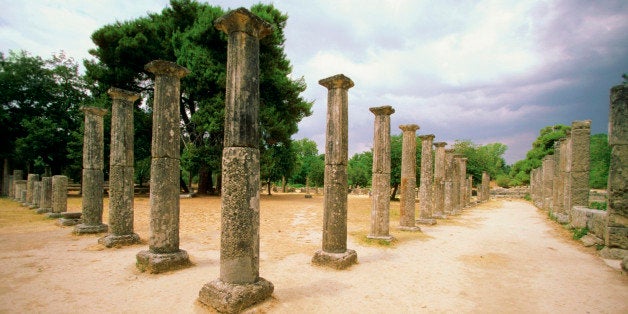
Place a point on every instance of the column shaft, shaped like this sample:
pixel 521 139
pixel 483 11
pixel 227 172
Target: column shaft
pixel 380 216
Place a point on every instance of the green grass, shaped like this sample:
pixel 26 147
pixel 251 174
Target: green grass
pixel 598 205
pixel 579 232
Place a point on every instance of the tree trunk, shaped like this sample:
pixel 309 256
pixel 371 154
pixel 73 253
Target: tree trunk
pixel 268 186
pixel 283 184
pixel 204 180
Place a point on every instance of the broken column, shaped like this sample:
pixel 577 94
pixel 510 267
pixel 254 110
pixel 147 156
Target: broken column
pixel 239 285
pixel 438 209
pixel 427 179
pixel 30 188
pixel 121 188
pixel 163 252
pixel 92 182
pixel 547 193
pixel 462 172
pixel 335 253
pixel 557 180
pixel 45 203
pixel 616 235
pixel 566 179
pixel 448 198
pixel 486 188
pixel 59 194
pixel 36 195
pixel 17 176
pixel 469 190
pixel 380 181
pixel 407 204
pixel 580 160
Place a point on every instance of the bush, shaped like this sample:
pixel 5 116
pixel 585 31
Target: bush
pixel 598 205
pixel 503 181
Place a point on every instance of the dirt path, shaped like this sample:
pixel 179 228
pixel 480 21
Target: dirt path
pixel 503 256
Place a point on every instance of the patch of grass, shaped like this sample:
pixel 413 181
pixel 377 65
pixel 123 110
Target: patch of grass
pixel 363 240
pixel 527 197
pixel 579 232
pixel 598 205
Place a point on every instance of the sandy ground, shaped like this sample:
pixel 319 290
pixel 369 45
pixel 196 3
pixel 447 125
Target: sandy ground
pixel 502 256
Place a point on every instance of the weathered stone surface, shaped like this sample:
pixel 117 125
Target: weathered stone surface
pixel 164 206
pixel 567 174
pixel 580 159
pixel 5 178
pixel 427 177
pixel 380 218
pixel 448 186
pixel 381 139
pixel 93 138
pixel 122 133
pixel 337 139
pixel 113 240
pixel 547 182
pixel 45 203
pixel 335 260
pixel 36 195
pixel 155 263
pixel 59 194
pixel 439 181
pixel 592 219
pixel 486 188
pixel 11 194
pixel 407 204
pixel 558 180
pixel 234 298
pixel 335 214
pixel 18 175
pixel 92 206
pixel 30 187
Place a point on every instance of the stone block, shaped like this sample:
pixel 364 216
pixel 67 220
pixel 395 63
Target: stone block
pixel 164 202
pixel 335 260
pixel 618 115
pixel 113 240
pixel 234 298
pixel 156 263
pixel 617 237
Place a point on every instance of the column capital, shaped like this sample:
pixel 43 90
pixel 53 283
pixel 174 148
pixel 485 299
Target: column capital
pixel 584 124
pixel 166 68
pixel 409 127
pixel 383 110
pixel 337 81
pixel 440 144
pixel 242 20
pixel 94 110
pixel 427 137
pixel 122 94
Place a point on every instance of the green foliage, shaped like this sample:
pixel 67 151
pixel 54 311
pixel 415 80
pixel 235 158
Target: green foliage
pixel 360 169
pixel 600 161
pixel 503 181
pixel 482 158
pixel 578 233
pixel 39 110
pixel 598 205
pixel 307 162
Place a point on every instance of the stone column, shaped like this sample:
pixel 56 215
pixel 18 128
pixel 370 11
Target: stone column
pixel 616 236
pixel 486 187
pixel 567 177
pixel 30 188
pixel 59 194
pixel 407 202
pixel 548 183
pixel 380 210
pixel 11 194
pixel 163 252
pixel 580 160
pixel 19 186
pixel 427 179
pixel 557 181
pixel 36 195
pixel 5 178
pixel 335 253
pixel 92 182
pixel 469 190
pixel 17 176
pixel 438 211
pixel 45 203
pixel 462 165
pixel 448 199
pixel 121 188
pixel 240 285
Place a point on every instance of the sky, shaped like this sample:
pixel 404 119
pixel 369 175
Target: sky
pixel 486 71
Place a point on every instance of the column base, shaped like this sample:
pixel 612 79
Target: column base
pixel 156 263
pixel 387 238
pixel 335 260
pixel 440 216
pixel 561 218
pixel 234 298
pixel 44 210
pixel 89 229
pixel 61 222
pixel 426 221
pixel 112 240
pixel 409 228
pixel 53 215
pixel 32 206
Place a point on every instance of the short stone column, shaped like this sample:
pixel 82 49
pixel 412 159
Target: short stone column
pixel 240 285
pixel 462 165
pixel 92 181
pixel 557 180
pixel 448 198
pixel 45 203
pixel 616 236
pixel 407 204
pixel 469 190
pixel 380 210
pixel 18 175
pixel 30 188
pixel 19 186
pixel 486 186
pixel 36 195
pixel 548 182
pixel 438 209
pixel 163 252
pixel 335 253
pixel 11 187
pixel 5 178
pixel 427 180
pixel 59 194
pixel 580 163
pixel 121 185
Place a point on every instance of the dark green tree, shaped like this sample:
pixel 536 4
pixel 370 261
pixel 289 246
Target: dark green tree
pixel 360 169
pixel 600 161
pixel 481 158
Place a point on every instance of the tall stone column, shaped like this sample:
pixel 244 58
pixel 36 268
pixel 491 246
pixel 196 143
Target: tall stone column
pixel 462 165
pixel 469 190
pixel 163 252
pixel 240 285
pixel 59 194
pixel 18 175
pixel 557 181
pixel 30 188
pixel 438 210
pixel 380 210
pixel 5 178
pixel 92 182
pixel 486 181
pixel 335 253
pixel 427 180
pixel 448 199
pixel 567 177
pixel 548 183
pixel 407 204
pixel 45 203
pixel 121 188
pixel 616 236
pixel 580 160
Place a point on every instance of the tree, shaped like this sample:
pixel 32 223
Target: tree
pixel 360 169
pixel 39 111
pixel 184 33
pixel 600 161
pixel 482 158
pixel 307 160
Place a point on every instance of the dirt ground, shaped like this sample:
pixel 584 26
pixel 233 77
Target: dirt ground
pixel 501 256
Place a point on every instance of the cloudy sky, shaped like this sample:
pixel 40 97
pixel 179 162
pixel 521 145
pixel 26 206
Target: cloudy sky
pixel 486 71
